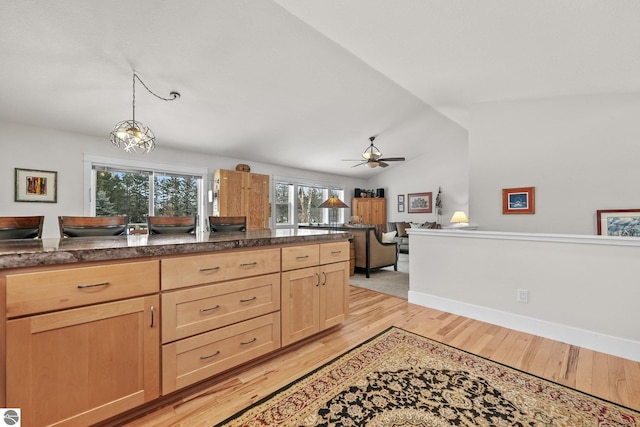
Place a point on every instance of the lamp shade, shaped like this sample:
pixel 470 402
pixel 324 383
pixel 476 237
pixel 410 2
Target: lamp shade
pixel 333 202
pixel 459 218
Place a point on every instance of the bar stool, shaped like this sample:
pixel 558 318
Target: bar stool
pixel 172 224
pixel 86 226
pixel 21 227
pixel 219 224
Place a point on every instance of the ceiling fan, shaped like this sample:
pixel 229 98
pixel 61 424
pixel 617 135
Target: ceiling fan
pixel 373 157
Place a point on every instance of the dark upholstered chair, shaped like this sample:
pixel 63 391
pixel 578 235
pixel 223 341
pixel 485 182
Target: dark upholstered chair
pixel 172 224
pixel 85 226
pixel 218 224
pixel 371 253
pixel 21 227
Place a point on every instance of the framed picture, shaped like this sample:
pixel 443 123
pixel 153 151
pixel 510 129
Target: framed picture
pixel 36 186
pixel 420 203
pixel 401 203
pixel 619 222
pixel 519 200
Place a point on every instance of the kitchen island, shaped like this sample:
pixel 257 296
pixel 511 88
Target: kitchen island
pixel 96 327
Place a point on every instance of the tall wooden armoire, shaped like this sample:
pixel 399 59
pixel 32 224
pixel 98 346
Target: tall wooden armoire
pixel 237 193
pixel 371 210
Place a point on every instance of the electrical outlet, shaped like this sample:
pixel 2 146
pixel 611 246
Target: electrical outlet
pixel 523 295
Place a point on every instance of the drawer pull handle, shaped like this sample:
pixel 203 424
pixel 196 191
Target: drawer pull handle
pixel 317 279
pixel 94 285
pixel 153 317
pixel 248 342
pixel 302 257
pixel 210 268
pixel 249 264
pixel 204 310
pixel 210 356
pixel 336 252
pixel 324 276
pixel 249 299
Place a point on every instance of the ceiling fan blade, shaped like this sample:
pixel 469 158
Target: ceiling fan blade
pixel 392 159
pixel 382 164
pixel 359 164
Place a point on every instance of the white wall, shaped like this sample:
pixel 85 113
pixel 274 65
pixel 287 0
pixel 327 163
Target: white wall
pixel 29 147
pixel 445 165
pixel 580 153
pixel 582 289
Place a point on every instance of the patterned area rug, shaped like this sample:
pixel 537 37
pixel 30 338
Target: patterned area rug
pixel 402 379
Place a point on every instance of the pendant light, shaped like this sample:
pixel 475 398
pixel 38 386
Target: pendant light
pixel 133 136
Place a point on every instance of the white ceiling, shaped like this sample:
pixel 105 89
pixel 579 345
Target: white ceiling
pixel 304 83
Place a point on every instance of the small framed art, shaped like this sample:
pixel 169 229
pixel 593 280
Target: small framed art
pixel 520 200
pixel 619 222
pixel 420 202
pixel 401 203
pixel 36 186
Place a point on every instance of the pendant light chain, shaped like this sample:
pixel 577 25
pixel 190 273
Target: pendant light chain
pixel 134 97
pixel 173 95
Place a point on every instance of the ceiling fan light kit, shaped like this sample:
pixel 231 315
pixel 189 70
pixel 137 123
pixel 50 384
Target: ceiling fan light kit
pixel 133 136
pixel 372 152
pixel 373 157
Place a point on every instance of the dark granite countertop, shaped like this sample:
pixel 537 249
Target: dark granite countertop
pixel 28 253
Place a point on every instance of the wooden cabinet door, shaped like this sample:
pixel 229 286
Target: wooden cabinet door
pixel 230 196
pixel 300 306
pixel 361 208
pixel 378 211
pixel 257 201
pixel 334 294
pixel 371 211
pixel 80 366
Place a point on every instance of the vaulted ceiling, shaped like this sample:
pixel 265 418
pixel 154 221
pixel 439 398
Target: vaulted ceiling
pixel 304 83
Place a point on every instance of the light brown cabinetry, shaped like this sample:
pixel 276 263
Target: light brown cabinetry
pixel 239 193
pixel 315 286
pixel 372 211
pixel 181 272
pixel 219 310
pixel 89 342
pixel 77 357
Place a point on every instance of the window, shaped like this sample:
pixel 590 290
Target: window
pixel 284 203
pixel 122 193
pixel 297 202
pixel 175 195
pixel 121 189
pixel 309 198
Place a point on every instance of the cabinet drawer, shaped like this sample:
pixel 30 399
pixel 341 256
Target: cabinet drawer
pixel 182 272
pixel 192 311
pixel 202 356
pixel 300 257
pixel 42 291
pixel 334 252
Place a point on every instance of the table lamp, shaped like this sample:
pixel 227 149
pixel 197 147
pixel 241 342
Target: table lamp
pixel 459 219
pixel 333 203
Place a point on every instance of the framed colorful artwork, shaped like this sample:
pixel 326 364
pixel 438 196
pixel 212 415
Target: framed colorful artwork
pixel 619 222
pixel 419 203
pixel 36 186
pixel 520 200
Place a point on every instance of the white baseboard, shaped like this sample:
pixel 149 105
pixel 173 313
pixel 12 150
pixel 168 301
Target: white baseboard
pixel 592 340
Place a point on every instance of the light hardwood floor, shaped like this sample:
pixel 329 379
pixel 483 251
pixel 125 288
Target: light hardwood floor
pixel 605 376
